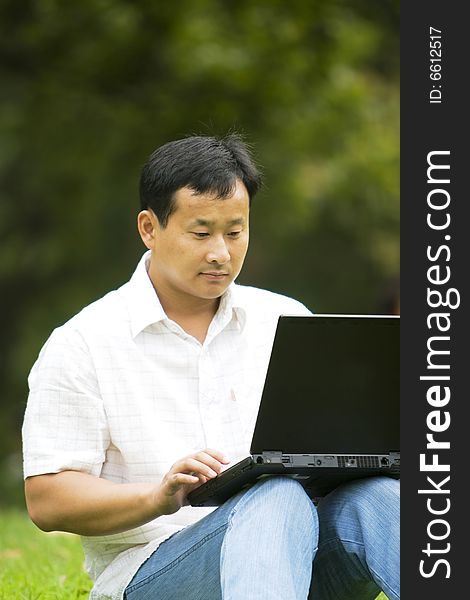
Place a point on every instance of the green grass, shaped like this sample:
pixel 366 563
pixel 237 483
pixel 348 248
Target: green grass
pixel 37 565
pixel 42 566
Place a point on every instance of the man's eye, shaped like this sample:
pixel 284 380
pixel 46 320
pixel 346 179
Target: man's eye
pixel 234 234
pixel 200 234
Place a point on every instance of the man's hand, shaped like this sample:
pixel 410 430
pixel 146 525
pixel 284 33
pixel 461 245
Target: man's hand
pixel 186 475
pixel 87 505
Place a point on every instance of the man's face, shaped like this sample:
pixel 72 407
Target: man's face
pixel 202 248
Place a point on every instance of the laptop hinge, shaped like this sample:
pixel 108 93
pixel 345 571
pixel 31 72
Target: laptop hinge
pixel 272 456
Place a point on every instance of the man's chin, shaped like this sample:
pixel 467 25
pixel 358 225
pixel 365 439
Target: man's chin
pixel 212 291
pixel 214 295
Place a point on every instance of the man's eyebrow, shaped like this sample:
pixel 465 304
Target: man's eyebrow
pixel 206 223
pixel 202 222
pixel 239 221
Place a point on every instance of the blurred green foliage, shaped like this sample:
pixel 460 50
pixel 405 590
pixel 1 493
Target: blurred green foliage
pixel 88 89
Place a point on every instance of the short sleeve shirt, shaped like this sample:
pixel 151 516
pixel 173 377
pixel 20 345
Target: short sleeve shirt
pixel 121 392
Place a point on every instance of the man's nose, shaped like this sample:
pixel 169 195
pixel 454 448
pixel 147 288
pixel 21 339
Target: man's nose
pixel 218 251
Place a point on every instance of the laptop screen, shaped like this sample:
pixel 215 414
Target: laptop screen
pixel 332 386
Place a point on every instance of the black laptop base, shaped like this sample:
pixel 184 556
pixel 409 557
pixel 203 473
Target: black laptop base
pixel 317 482
pixel 329 410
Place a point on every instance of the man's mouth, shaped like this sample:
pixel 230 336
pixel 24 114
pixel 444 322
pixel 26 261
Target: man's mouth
pixel 215 275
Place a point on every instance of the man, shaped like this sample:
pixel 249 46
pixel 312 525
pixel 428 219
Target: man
pixel 153 389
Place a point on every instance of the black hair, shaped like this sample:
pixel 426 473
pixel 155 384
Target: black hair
pixel 204 164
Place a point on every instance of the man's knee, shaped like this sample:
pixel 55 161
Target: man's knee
pixel 287 489
pixel 283 496
pixel 362 500
pixel 284 485
pixel 382 490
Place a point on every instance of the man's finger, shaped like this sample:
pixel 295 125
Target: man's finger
pixel 178 480
pixel 217 455
pixel 191 465
pixel 214 463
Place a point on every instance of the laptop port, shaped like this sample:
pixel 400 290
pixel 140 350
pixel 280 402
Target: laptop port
pixel 384 462
pixel 259 460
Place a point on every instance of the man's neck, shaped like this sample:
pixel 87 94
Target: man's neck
pixel 192 314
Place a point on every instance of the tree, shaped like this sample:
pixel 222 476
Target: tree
pixel 89 89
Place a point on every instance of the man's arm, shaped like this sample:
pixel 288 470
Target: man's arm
pixel 80 503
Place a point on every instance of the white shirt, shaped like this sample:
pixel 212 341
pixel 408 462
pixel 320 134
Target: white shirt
pixel 121 392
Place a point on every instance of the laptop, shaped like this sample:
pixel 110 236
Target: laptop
pixel 329 410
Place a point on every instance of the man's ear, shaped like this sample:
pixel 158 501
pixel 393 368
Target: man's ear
pixel 147 224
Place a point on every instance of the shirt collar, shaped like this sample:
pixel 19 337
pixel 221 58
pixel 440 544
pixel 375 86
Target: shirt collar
pixel 145 307
pixel 231 305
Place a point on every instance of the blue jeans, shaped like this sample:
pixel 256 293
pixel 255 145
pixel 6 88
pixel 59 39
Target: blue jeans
pixel 271 542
